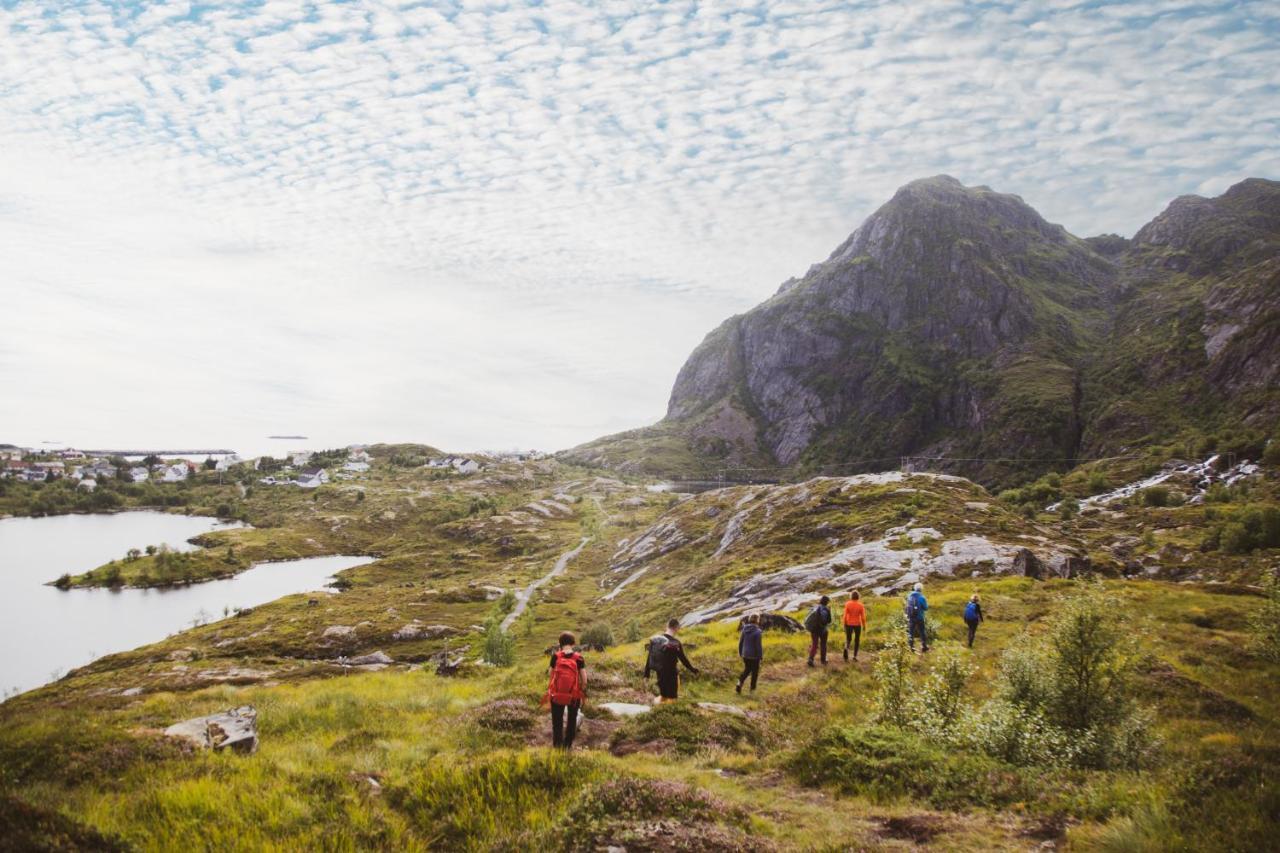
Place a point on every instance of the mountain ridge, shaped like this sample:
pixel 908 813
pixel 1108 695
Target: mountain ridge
pixel 957 322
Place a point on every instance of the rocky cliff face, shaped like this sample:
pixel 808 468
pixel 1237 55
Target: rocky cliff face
pixel 956 322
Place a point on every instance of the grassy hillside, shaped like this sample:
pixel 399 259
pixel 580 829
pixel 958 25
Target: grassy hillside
pixel 395 756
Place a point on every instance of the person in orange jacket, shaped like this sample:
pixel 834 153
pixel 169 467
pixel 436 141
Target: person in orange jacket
pixel 855 619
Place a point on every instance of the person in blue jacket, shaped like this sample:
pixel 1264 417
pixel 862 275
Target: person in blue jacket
pixel 751 650
pixel 916 608
pixel 973 616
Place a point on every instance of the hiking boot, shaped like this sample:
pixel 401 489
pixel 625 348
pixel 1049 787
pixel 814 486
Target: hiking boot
pixel 810 661
pixel 846 654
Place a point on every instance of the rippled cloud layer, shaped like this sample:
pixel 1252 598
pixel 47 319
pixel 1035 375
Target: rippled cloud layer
pixel 497 223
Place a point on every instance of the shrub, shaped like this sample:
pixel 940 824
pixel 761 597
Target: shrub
pixel 1271 455
pixel 1068 509
pixel 1251 528
pixel 1069 699
pixel 1097 483
pixel 1155 496
pixel 499 648
pixel 938 701
pixel 893 681
pixel 505 603
pixel 598 636
pixel 1217 493
pixel 882 763
pixel 632 632
pixel 63 581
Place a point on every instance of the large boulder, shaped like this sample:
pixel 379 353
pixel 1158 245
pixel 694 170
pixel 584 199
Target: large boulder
pixel 236 729
pixel 776 622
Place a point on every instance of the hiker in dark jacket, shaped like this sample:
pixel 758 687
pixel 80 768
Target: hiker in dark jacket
pixel 817 622
pixel 916 608
pixel 665 653
pixel 973 616
pixel 566 690
pixel 751 650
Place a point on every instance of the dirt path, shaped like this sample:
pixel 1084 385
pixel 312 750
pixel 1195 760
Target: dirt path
pixel 523 596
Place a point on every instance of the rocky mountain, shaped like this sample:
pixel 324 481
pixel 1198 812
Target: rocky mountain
pixel 957 323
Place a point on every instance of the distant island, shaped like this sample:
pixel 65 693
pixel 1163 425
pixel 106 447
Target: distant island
pixel 289 437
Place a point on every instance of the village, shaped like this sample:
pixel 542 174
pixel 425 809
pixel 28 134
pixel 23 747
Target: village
pixel 303 469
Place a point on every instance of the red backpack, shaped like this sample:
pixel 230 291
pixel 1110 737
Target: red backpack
pixel 565 687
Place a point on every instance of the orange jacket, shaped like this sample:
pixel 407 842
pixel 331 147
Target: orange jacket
pixel 855 613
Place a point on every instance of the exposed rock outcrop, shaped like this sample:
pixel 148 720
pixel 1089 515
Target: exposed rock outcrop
pixel 236 729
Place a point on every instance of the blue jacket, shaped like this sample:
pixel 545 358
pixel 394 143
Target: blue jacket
pixel 751 643
pixel 921 602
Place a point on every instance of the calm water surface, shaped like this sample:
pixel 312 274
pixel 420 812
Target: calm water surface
pixel 46 631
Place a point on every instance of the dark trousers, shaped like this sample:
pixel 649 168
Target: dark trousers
pixel 819 641
pixel 916 627
pixel 853 632
pixel 561 736
pixel 751 667
pixel 668 684
pixel 973 630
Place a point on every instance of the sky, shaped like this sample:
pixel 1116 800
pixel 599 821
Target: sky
pixel 506 224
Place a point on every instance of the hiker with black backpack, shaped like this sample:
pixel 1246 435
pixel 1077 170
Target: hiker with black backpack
pixel 915 610
pixel 973 616
pixel 566 690
pixel 665 655
pixel 817 622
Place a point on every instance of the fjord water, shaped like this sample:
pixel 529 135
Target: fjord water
pixel 44 631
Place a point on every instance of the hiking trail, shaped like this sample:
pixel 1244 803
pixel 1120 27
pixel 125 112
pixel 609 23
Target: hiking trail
pixel 524 595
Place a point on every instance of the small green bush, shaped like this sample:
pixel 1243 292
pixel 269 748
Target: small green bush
pixel 499 648
pixel 884 763
pixel 597 636
pixel 1155 496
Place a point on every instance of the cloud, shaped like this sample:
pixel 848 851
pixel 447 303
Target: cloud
pixel 486 223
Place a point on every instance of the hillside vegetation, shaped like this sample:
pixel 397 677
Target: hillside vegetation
pixel 1159 731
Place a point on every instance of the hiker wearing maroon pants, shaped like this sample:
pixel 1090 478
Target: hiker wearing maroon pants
pixel 817 622
pixel 566 690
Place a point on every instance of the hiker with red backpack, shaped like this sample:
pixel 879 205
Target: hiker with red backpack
pixel 665 652
pixel 566 690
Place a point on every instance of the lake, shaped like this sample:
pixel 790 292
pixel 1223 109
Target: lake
pixel 44 631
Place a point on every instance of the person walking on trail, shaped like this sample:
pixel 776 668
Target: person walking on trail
pixel 916 608
pixel 855 619
pixel 566 690
pixel 665 654
pixel 817 622
pixel 751 650
pixel 973 616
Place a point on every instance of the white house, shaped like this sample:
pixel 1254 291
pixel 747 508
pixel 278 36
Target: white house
pixel 358 454
pixel 464 465
pixel 313 477
pixel 100 471
pixel 87 484
pixel 175 473
pixel 225 463
pixel 139 474
pixel 299 457
pixel 356 466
